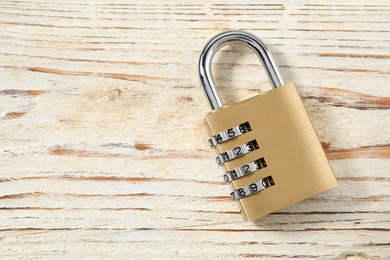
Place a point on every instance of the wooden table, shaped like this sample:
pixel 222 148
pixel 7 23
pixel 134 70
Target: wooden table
pixel 103 149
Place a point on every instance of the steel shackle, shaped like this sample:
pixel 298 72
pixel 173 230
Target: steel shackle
pixel 235 37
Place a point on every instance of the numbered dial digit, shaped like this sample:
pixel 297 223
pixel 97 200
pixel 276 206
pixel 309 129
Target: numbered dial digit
pixel 237 152
pixel 229 134
pixel 245 170
pixel 253 188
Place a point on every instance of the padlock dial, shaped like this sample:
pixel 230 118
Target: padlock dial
pixel 229 134
pixel 245 170
pixel 237 152
pixel 252 188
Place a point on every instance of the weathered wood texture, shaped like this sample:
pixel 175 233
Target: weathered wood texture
pixel 103 149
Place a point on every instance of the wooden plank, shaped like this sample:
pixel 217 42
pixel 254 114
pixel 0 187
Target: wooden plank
pixel 102 144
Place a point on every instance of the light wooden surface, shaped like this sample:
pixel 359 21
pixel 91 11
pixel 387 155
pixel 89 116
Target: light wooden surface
pixel 103 149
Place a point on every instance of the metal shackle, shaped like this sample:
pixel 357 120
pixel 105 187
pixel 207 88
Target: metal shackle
pixel 235 37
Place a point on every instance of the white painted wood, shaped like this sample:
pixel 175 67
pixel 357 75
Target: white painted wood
pixel 102 145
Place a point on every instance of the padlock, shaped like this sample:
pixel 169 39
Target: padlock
pixel 266 144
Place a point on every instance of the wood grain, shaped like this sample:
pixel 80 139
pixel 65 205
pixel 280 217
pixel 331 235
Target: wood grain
pixel 103 150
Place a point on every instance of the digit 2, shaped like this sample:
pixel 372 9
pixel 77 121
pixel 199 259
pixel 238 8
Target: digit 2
pixel 238 151
pixel 246 168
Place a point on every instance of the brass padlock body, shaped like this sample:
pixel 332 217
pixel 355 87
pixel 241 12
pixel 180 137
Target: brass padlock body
pixel 288 143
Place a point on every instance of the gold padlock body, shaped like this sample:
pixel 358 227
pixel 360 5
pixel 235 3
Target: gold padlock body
pixel 287 141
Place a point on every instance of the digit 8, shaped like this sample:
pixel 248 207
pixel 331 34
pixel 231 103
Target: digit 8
pixel 241 192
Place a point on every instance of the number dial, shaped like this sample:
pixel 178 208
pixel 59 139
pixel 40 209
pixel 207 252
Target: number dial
pixel 237 152
pixel 229 134
pixel 252 188
pixel 245 170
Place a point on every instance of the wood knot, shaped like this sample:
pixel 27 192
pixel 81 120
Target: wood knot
pixel 353 256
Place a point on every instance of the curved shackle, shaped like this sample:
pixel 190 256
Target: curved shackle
pixel 235 37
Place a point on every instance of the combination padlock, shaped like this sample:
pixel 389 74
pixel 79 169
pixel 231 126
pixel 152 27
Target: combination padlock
pixel 266 144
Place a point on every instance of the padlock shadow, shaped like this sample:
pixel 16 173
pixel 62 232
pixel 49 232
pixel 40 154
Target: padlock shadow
pixel 301 216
